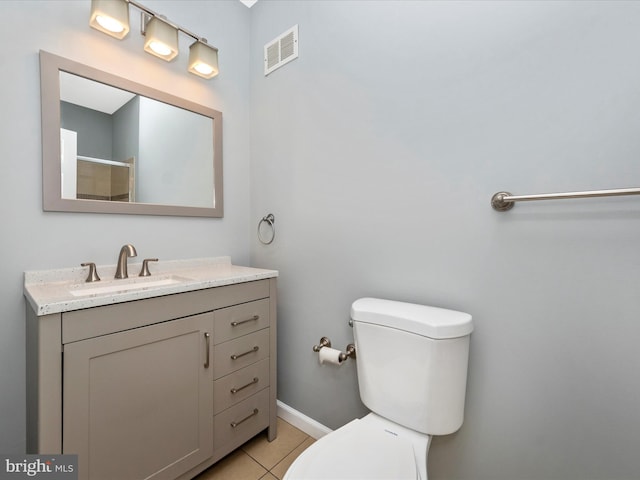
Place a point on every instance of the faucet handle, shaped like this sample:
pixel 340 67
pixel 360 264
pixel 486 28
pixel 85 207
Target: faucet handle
pixel 93 273
pixel 144 272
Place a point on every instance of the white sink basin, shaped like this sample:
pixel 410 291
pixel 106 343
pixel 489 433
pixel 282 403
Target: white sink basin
pixel 125 285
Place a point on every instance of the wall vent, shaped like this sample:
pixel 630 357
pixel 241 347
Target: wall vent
pixel 281 50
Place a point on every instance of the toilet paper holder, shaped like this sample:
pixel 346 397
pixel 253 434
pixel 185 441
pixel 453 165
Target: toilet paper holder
pixel 325 342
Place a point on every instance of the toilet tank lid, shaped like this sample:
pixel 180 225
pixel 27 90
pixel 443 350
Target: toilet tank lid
pixel 432 322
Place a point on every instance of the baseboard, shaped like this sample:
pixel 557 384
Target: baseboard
pixel 300 420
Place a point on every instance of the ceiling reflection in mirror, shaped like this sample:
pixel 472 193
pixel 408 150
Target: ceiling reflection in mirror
pixel 125 148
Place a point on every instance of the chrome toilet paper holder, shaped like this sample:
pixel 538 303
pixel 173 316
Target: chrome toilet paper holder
pixel 325 342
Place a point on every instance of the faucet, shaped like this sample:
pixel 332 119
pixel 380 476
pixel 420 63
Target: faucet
pixel 126 251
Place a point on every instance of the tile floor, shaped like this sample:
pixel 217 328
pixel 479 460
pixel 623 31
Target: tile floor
pixel 259 459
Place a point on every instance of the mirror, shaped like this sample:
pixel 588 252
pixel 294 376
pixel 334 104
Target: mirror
pixel 111 145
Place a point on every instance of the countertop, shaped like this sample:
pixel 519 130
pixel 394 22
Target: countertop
pixel 49 291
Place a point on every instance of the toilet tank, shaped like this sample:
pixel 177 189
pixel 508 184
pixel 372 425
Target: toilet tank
pixel 412 363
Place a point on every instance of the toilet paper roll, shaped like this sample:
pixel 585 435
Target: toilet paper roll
pixel 329 355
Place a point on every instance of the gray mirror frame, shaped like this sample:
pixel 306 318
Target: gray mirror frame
pixel 50 67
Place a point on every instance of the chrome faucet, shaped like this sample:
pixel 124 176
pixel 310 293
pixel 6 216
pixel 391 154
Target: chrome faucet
pixel 126 251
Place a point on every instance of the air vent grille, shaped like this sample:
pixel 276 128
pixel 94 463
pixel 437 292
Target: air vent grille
pixel 281 50
pixel 273 56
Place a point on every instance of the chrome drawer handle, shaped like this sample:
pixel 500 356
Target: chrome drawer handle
pixel 236 390
pixel 236 356
pixel 236 323
pixel 235 424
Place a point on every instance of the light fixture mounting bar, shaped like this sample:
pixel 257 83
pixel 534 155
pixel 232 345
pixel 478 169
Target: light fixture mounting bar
pixel 151 13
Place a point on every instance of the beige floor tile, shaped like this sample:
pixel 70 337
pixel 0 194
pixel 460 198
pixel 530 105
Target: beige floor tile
pixel 268 476
pixel 281 468
pixel 235 466
pixel 268 454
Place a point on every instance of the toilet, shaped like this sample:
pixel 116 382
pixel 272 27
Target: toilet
pixel 412 375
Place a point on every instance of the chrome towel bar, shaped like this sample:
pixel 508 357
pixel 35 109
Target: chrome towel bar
pixel 503 201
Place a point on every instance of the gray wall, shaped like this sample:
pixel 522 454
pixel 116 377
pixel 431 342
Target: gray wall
pixel 32 239
pixel 175 156
pixel 378 151
pixel 126 135
pixel 94 129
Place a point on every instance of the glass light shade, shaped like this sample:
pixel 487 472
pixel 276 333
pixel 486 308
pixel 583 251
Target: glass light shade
pixel 110 17
pixel 203 60
pixel 161 39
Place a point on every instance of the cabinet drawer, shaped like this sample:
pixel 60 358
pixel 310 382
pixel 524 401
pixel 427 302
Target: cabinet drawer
pixel 239 353
pixel 240 385
pixel 233 322
pixel 239 423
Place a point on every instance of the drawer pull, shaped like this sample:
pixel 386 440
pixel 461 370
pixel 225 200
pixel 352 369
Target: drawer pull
pixel 236 390
pixel 238 355
pixel 235 424
pixel 207 353
pixel 236 323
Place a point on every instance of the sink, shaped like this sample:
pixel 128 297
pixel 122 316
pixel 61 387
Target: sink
pixel 124 286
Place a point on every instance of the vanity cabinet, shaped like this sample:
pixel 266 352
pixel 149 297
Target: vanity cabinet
pixel 157 388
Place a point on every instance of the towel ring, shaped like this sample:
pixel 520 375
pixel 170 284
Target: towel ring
pixel 270 220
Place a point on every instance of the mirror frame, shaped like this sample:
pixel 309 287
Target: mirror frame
pixel 50 67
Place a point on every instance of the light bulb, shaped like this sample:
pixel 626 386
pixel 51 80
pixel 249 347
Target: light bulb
pixel 203 68
pixel 109 23
pixel 160 48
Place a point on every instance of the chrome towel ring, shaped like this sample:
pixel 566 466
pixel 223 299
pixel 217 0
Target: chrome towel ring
pixel 269 220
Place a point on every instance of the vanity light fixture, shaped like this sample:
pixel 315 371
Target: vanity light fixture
pixel 161 39
pixel 203 59
pixel 112 18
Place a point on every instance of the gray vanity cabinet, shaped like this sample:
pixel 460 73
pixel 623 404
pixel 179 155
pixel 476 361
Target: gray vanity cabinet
pixel 159 388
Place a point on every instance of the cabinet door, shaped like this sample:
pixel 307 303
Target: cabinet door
pixel 137 404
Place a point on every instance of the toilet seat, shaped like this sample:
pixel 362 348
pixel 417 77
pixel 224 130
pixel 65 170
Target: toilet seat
pixel 371 448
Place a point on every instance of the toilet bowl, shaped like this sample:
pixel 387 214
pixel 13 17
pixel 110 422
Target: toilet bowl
pixel 412 375
pixel 371 448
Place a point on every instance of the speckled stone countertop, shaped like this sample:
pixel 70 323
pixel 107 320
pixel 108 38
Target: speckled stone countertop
pixel 50 291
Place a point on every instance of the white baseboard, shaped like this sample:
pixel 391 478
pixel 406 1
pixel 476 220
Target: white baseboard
pixel 300 420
